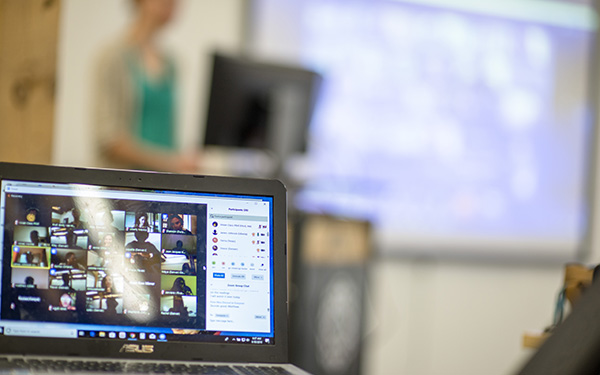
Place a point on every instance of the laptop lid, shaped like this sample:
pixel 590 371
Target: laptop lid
pixel 573 346
pixel 129 264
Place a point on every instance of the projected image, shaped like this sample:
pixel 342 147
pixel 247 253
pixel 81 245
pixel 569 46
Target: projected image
pixel 475 128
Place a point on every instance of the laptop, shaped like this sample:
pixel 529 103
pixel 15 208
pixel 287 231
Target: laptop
pixel 130 271
pixel 573 346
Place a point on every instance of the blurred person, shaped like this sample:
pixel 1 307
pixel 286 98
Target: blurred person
pixel 107 222
pixel 141 243
pixel 72 261
pixel 186 267
pixel 175 224
pixel 179 307
pixel 30 282
pixel 148 257
pixel 107 284
pixel 179 247
pixel 66 282
pixel 66 301
pixel 180 286
pixel 141 222
pixel 108 241
pixel 34 236
pixel 71 238
pixel 77 223
pixel 112 254
pixel 135 104
pixel 110 293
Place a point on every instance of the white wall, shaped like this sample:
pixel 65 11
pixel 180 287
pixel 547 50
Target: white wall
pixel 453 318
pixel 425 316
pixel 198 28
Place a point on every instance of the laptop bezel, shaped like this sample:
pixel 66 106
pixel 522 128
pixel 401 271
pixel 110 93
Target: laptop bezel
pixel 171 350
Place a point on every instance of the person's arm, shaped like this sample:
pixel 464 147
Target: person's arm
pixel 123 149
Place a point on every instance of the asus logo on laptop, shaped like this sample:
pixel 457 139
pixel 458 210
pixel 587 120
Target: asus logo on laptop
pixel 134 348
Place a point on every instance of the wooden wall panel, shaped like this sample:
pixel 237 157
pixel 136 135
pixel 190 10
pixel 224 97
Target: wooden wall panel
pixel 28 49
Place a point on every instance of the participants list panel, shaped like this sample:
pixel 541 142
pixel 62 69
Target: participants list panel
pixel 238 272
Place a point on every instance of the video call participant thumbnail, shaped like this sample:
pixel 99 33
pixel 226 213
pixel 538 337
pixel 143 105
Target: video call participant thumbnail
pixel 178 307
pixel 29 278
pixel 179 252
pixel 68 238
pixel 27 210
pixel 178 285
pixel 30 256
pixel 68 217
pixel 142 251
pixel 105 296
pixel 139 302
pixel 68 279
pixel 66 302
pixel 30 235
pixel 176 223
pixel 70 259
pixel 142 221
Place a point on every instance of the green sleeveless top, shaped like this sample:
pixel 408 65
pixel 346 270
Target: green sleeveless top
pixel 154 121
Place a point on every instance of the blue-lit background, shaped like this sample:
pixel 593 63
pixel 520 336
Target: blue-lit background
pixel 448 120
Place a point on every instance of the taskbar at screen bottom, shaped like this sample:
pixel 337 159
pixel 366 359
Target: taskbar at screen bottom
pixel 19 329
pixel 177 337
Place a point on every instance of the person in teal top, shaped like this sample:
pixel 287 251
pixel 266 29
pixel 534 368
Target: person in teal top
pixel 155 117
pixel 136 97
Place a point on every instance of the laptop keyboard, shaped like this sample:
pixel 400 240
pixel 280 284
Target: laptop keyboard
pixel 135 367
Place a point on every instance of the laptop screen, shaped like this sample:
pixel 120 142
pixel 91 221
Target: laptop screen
pixel 88 261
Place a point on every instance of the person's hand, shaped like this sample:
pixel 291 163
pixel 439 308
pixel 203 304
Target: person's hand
pixel 187 163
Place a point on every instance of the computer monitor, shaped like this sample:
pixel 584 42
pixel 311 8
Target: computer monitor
pixel 259 105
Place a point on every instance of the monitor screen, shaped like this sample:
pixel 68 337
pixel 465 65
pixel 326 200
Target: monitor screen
pixel 259 105
pixel 88 261
pixel 453 126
